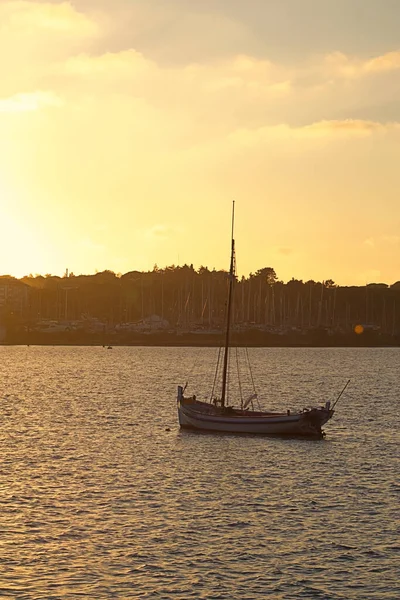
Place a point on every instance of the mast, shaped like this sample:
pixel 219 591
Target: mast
pixel 229 310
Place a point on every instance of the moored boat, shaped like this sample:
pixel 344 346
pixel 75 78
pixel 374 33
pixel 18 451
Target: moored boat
pixel 194 414
pixel 219 416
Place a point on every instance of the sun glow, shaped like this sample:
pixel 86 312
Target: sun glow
pixel 21 246
pixel 114 118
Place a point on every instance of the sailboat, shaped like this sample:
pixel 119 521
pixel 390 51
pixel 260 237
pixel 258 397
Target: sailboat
pixel 219 415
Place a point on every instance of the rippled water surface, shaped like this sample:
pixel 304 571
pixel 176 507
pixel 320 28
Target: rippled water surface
pixel 100 500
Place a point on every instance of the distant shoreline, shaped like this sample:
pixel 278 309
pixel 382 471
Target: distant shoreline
pixel 254 339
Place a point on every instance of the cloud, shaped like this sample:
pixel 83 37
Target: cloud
pixel 285 251
pixel 387 62
pixel 187 101
pixel 312 99
pixel 255 80
pixel 335 129
pixel 35 40
pixel 342 65
pixel 125 65
pixel 61 18
pixel 176 33
pixel 29 102
pixel 194 101
pixel 346 127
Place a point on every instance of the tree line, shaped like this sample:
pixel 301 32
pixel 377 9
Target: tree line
pixel 185 297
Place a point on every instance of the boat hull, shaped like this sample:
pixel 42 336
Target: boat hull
pixel 205 417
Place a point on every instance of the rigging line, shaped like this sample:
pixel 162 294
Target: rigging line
pixel 252 378
pixel 340 395
pixel 213 390
pixel 228 373
pixel 250 370
pixel 216 373
pixel 195 362
pixel 240 383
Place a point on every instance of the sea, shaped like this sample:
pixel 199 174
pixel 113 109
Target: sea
pixel 103 496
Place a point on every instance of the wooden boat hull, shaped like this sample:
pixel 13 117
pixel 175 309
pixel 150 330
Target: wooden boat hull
pixel 199 415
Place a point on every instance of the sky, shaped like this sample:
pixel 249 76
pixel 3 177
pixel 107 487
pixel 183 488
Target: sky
pixel 128 127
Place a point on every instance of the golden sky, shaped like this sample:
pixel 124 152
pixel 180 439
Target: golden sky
pixel 128 127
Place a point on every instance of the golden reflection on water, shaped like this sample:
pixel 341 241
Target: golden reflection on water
pixel 98 500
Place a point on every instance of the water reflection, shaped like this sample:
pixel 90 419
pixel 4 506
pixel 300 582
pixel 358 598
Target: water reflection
pixel 100 501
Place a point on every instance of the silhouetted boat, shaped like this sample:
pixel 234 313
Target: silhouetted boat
pixel 217 415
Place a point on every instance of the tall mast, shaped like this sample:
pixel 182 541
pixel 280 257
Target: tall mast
pixel 229 310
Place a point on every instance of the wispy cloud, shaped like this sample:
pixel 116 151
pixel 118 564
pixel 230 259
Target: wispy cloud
pixel 285 251
pixel 382 241
pixel 159 231
pixel 369 242
pixel 335 129
pixel 90 245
